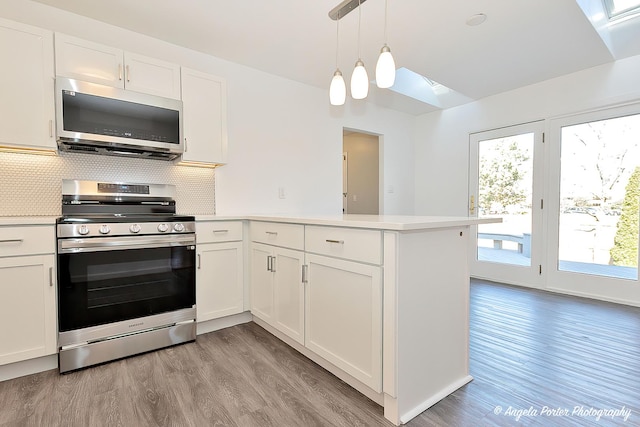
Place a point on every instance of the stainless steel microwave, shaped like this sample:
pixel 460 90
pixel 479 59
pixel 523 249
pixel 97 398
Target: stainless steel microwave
pixel 92 118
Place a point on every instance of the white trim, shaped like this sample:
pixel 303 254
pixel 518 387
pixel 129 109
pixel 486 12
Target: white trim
pixel 409 415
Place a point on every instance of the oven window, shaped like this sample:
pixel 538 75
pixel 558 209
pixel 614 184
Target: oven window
pixel 97 288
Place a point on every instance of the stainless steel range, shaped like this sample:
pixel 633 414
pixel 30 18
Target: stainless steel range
pixel 126 272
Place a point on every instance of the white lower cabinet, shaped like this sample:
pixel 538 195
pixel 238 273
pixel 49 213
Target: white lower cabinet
pixel 219 289
pixel 335 308
pixel 219 270
pixel 27 307
pixel 277 291
pixel 343 312
pixel 261 282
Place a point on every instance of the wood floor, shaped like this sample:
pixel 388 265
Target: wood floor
pixel 529 350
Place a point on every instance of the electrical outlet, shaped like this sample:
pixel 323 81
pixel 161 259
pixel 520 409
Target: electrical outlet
pixel 281 193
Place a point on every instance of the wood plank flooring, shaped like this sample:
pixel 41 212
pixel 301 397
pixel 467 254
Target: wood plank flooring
pixel 529 350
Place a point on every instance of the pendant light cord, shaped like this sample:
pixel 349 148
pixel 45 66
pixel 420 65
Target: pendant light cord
pixel 359 24
pixel 337 39
pixel 385 21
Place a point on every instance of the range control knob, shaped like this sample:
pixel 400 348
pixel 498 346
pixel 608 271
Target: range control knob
pixel 163 228
pixel 83 230
pixel 179 227
pixel 135 228
pixel 104 229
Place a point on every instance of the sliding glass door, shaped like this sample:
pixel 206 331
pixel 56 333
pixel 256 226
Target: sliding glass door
pixel 595 163
pixel 505 182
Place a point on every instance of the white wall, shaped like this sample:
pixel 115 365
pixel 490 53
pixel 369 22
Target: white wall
pixel 281 133
pixel 441 173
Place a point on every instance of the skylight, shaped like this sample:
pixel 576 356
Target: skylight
pixel 416 86
pixel 618 9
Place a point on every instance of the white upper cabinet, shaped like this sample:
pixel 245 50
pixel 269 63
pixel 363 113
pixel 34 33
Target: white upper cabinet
pixel 150 75
pixel 26 84
pixel 204 98
pixel 106 65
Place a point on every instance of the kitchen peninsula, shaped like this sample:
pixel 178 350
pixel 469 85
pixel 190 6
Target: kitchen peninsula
pixel 381 301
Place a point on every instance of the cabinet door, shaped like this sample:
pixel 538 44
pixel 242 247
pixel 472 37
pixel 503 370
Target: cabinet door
pixel 343 316
pixel 261 282
pixel 204 100
pixel 150 75
pixel 288 292
pixel 88 61
pixel 219 283
pixel 27 87
pixel 27 308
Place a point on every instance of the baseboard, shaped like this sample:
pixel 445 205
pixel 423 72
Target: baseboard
pixel 28 367
pixel 224 322
pixel 411 414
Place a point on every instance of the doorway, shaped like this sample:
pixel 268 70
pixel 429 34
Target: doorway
pixel 360 173
pixel 505 181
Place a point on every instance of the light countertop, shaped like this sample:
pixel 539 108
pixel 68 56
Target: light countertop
pixel 27 220
pixel 376 222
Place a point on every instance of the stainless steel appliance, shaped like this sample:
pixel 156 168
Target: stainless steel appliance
pixel 126 272
pixel 92 118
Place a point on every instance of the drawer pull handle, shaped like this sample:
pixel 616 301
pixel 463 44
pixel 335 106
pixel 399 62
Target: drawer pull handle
pixel 340 242
pixel 272 233
pixel 12 241
pixel 199 262
pixel 220 231
pixel 50 276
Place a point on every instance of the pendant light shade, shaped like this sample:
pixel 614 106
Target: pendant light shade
pixel 337 90
pixel 359 81
pixel 385 68
pixel 359 77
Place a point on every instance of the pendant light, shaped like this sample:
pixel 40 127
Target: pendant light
pixel 337 89
pixel 359 78
pixel 386 66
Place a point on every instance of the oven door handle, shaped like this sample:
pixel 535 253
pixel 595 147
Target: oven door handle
pixel 119 243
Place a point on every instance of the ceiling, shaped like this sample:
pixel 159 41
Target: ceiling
pixel 520 43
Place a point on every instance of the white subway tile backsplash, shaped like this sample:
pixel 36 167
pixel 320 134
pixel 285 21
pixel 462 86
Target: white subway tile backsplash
pixel 30 185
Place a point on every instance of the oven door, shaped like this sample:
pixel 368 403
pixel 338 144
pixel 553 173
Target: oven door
pixel 106 280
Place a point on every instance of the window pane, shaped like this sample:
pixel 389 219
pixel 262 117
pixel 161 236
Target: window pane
pixel 505 187
pixel 599 197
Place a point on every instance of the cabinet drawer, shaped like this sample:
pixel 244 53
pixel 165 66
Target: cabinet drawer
pixel 218 231
pixel 29 240
pixel 347 243
pixel 277 234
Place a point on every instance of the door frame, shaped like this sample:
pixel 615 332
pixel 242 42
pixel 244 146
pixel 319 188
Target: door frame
pixel 381 193
pixel 602 287
pixel 529 276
